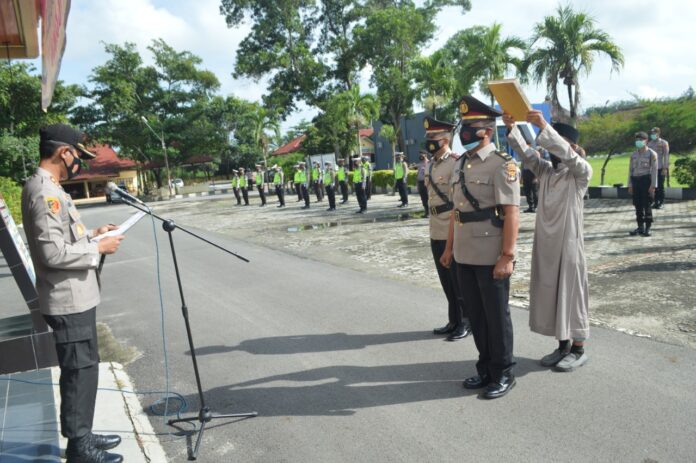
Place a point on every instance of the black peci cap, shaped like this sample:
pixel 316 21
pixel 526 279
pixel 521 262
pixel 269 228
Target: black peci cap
pixel 567 131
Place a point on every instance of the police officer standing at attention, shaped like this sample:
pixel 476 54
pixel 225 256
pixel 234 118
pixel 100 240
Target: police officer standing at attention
pixel 642 181
pixel 260 184
pixel 302 178
pixel 342 177
pixel 368 174
pixel 296 182
pixel 279 184
pixel 317 181
pixel 359 184
pixel 401 177
pixel 330 184
pixel 437 184
pixel 243 182
pixel 660 146
pixel 482 235
pixel 66 261
pixel 235 187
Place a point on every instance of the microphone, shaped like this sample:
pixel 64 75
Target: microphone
pixel 111 188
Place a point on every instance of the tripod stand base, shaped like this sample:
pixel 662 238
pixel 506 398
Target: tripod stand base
pixel 205 416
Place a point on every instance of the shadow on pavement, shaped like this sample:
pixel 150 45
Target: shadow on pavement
pixel 341 390
pixel 315 343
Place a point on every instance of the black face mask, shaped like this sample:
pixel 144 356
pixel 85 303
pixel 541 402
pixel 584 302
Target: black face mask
pixel 74 168
pixel 433 146
pixel 467 135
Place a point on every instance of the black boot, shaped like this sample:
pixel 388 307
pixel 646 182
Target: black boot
pixel 637 231
pixel 81 450
pixel 647 230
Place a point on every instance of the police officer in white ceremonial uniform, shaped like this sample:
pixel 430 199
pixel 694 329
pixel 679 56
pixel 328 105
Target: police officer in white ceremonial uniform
pixel 66 259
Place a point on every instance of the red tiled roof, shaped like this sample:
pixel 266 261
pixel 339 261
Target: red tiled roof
pixel 291 146
pixel 191 161
pixel 366 132
pixel 106 164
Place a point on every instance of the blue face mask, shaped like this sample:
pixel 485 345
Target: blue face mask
pixel 470 146
pixel 640 144
pixel 653 136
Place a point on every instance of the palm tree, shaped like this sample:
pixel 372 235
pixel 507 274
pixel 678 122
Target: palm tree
pixel 490 57
pixel 435 80
pixel 360 109
pixel 264 120
pixel 562 47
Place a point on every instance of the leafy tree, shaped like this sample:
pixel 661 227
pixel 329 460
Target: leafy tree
pixel 389 133
pixel 263 121
pixel 19 156
pixel 279 47
pixel 564 46
pixel 360 110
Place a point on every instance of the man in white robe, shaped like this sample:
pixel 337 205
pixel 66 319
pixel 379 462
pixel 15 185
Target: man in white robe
pixel 558 284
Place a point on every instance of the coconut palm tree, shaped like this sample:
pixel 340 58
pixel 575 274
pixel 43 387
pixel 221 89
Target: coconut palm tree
pixel 564 46
pixel 435 80
pixel 263 121
pixel 360 109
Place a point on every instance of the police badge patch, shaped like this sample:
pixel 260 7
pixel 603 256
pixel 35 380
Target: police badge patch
pixel 511 170
pixel 53 204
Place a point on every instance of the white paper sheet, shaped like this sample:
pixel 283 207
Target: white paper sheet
pixel 123 228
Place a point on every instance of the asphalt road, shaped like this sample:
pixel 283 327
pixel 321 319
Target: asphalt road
pixel 342 366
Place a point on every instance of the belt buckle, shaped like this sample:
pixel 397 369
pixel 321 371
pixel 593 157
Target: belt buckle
pixel 433 210
pixel 457 217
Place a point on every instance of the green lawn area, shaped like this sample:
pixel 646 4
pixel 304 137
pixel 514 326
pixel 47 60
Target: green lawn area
pixel 617 170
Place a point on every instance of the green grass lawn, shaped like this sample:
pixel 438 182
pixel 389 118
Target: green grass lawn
pixel 617 170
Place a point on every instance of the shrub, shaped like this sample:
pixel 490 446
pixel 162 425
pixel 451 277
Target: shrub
pixel 685 170
pixel 13 197
pixel 412 177
pixel 383 178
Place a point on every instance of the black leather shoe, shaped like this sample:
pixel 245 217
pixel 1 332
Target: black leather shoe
pixel 103 442
pixel 460 332
pixel 500 388
pixel 447 329
pixel 637 231
pixel 646 232
pixel 82 451
pixel 476 382
pixel 529 209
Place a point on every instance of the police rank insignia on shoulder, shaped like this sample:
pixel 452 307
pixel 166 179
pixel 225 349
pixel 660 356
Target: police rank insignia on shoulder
pixel 53 204
pixel 80 229
pixel 511 169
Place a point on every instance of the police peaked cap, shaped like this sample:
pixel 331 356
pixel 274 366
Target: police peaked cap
pixel 567 131
pixel 472 110
pixel 63 134
pixel 433 126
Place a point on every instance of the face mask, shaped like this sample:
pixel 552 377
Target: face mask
pixel 471 146
pixel 433 146
pixel 640 144
pixel 653 136
pixel 74 168
pixel 468 136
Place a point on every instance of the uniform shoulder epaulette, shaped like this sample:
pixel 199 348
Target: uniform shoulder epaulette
pixel 505 156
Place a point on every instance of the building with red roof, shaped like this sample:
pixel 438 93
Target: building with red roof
pixel 367 146
pixel 97 172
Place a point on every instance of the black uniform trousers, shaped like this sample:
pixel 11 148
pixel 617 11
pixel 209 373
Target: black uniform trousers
pixel 401 188
pixel 360 195
pixel 305 194
pixel 448 280
pixel 245 195
pixel 423 192
pixel 368 188
pixel 641 200
pixel 280 192
pixel 344 190
pixel 298 190
pixel 331 193
pixel 489 314
pixel 236 195
pixel 262 194
pixel 78 358
pixel 318 191
pixel 660 190
pixel 530 187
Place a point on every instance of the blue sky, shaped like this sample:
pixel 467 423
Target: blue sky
pixel 655 38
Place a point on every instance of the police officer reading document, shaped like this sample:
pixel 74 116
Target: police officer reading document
pixel 558 283
pixel 66 260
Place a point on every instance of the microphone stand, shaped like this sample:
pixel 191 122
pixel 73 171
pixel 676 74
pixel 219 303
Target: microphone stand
pixel 204 415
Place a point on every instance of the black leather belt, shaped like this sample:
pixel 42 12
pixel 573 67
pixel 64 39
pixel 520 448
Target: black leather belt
pixel 436 210
pixel 490 213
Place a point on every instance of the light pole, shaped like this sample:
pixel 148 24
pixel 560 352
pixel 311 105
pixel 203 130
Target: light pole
pixel 164 149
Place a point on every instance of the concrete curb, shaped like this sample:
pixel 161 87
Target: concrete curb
pixel 124 417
